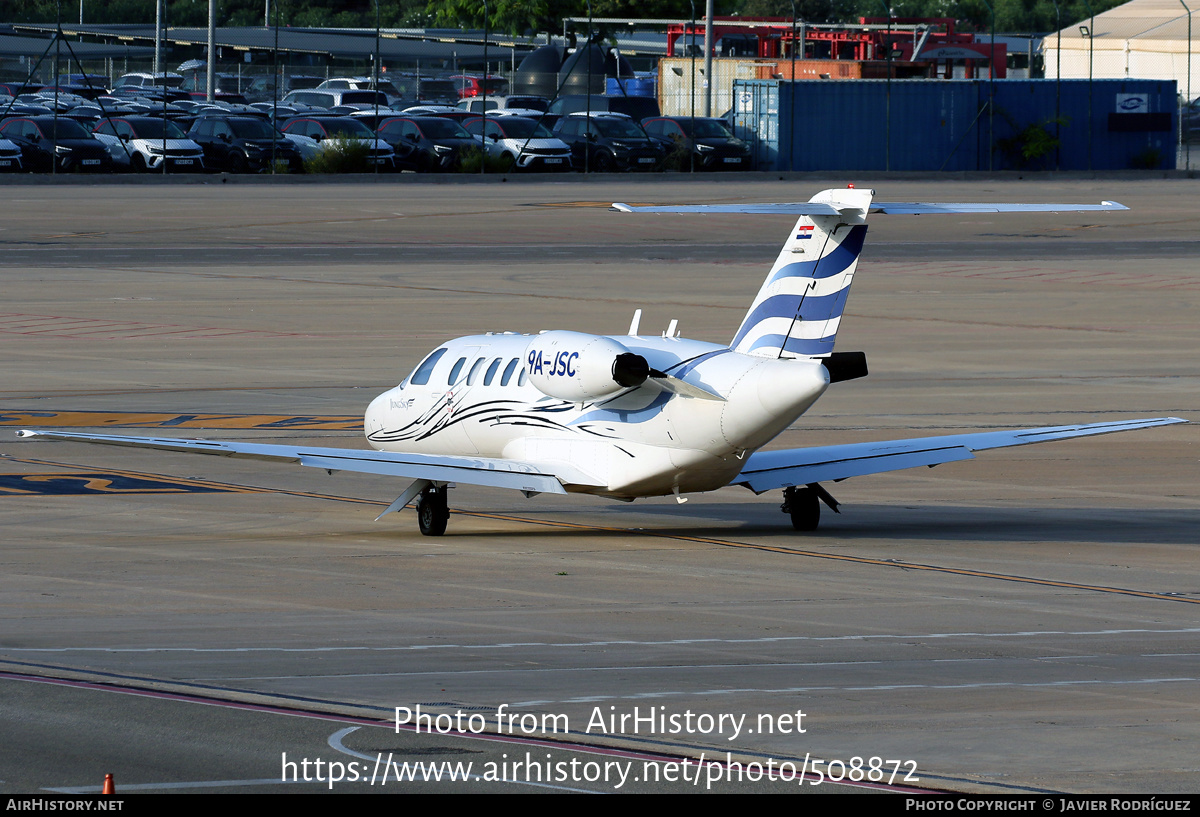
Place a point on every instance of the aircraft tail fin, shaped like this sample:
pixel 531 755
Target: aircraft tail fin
pixel 799 307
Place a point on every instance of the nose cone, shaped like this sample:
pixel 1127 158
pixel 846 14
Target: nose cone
pixel 376 415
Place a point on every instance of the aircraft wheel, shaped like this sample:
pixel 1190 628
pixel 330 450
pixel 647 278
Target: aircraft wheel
pixel 804 506
pixel 432 511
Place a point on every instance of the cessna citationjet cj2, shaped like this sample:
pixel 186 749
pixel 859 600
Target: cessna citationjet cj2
pixel 633 416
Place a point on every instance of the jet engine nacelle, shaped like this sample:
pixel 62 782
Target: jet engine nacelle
pixel 577 367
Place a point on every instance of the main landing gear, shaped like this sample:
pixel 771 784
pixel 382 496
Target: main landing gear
pixel 433 512
pixel 803 504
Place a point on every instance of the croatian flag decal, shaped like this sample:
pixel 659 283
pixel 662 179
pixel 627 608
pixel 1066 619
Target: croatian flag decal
pixel 804 233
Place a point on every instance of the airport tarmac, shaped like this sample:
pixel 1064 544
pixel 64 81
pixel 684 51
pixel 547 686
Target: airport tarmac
pixel 1024 622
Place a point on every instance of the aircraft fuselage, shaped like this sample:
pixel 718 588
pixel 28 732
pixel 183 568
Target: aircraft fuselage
pixel 479 398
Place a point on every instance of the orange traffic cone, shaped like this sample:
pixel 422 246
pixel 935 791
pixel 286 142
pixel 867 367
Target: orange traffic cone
pixel 109 786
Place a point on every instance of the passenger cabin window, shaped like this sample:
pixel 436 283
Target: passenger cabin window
pixel 491 372
pixel 421 376
pixel 474 372
pixel 453 378
pixel 508 372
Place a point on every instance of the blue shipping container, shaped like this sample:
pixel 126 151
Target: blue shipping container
pixel 933 125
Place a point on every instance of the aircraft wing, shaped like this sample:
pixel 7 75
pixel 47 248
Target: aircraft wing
pixel 766 470
pixel 495 473
pixel 901 208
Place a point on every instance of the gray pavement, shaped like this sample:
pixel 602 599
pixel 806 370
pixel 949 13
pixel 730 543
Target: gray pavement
pixel 1023 622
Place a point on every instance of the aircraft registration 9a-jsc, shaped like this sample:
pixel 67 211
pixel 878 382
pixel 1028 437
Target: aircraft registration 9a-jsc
pixel 634 416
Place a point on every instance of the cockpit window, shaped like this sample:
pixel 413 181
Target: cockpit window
pixel 521 380
pixel 421 375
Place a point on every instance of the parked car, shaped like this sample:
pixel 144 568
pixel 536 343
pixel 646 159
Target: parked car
pixel 427 143
pixel 196 82
pixel 324 128
pixel 47 142
pixel 331 97
pixel 10 157
pixel 262 89
pixel 708 142
pixel 467 85
pixel 608 142
pixel 500 103
pixel 142 143
pixel 385 87
pixel 242 143
pixel 422 90
pixel 523 142
pixel 636 107
pixel 139 80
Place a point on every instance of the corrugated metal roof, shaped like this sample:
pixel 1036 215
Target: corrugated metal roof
pixel 14 46
pixel 397 45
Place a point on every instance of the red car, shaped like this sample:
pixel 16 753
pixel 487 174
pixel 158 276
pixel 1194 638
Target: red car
pixel 469 86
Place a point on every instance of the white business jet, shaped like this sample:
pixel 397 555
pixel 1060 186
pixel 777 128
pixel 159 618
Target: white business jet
pixel 628 416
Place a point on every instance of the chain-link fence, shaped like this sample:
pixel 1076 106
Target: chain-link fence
pixel 1070 115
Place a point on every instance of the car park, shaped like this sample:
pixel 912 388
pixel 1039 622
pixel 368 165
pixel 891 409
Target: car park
pixel 142 143
pixel 524 143
pixel 607 142
pixel 242 143
pixel 708 143
pixel 49 143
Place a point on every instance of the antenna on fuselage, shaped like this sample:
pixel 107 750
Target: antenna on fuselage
pixel 635 323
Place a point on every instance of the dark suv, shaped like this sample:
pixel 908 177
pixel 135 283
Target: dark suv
pixel 46 141
pixel 242 144
pixel 710 142
pixel 427 143
pixel 602 143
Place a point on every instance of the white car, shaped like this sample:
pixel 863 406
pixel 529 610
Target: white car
pixel 526 143
pixel 10 157
pixel 143 143
pixel 476 104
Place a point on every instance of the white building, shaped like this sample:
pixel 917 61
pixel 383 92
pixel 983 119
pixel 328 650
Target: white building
pixel 1143 39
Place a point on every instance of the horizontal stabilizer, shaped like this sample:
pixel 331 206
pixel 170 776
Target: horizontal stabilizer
pixel 895 208
pixel 917 208
pixel 800 466
pixel 805 208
